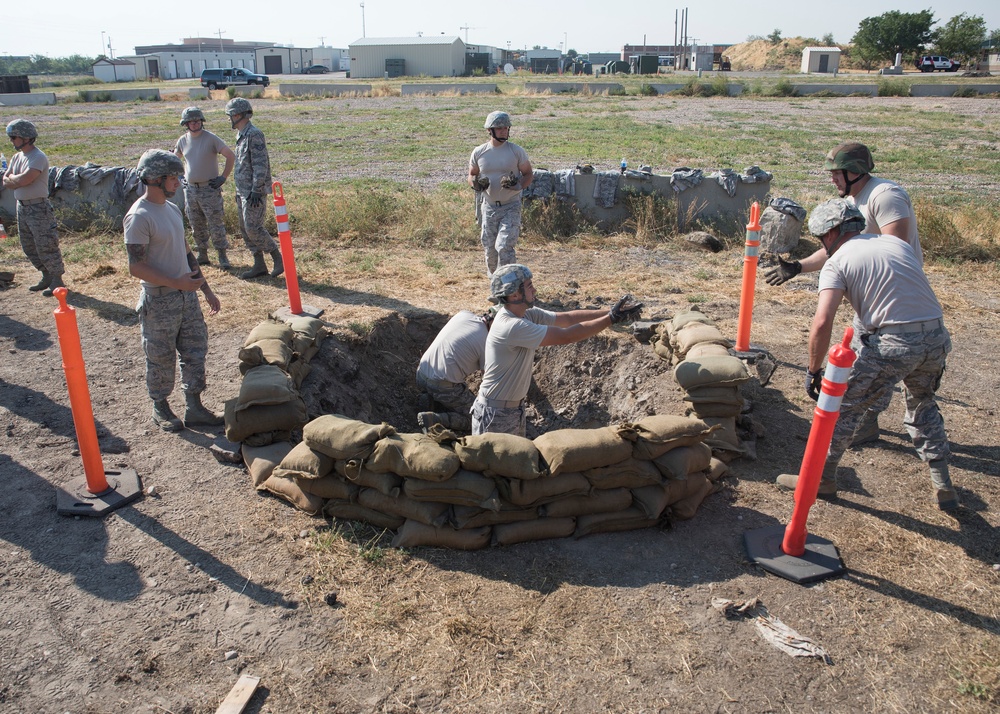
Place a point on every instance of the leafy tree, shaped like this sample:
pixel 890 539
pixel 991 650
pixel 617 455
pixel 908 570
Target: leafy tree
pixel 828 40
pixel 572 54
pixel 883 36
pixel 754 38
pixel 775 37
pixel 961 37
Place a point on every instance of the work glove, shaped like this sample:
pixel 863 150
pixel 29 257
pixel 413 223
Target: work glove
pixel 217 181
pixel 480 183
pixel 255 199
pixel 814 384
pixel 509 181
pixel 782 272
pixel 625 310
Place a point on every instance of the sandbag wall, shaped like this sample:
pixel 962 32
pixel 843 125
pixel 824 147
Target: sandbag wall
pixel 498 489
pixel 709 375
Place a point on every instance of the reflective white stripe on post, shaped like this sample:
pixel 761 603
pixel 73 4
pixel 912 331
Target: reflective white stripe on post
pixel 828 402
pixel 837 374
pixel 280 210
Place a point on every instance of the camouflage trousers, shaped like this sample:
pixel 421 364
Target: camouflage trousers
pixel 498 420
pixel 172 324
pixel 36 227
pixel 456 398
pixel 255 235
pixel 205 213
pixel 501 227
pixel 917 359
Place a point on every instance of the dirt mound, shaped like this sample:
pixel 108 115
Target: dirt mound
pixel 761 55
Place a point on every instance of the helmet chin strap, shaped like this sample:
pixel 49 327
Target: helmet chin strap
pixel 848 183
pixel 501 139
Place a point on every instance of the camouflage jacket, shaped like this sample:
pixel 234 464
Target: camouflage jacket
pixel 253 168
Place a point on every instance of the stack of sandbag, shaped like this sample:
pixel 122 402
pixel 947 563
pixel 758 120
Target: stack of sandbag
pixel 273 361
pixel 500 489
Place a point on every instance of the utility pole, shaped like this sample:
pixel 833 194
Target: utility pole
pixel 467 28
pixel 362 19
pixel 219 33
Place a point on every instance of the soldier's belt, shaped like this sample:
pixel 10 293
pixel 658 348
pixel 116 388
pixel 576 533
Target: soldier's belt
pixel 906 327
pixel 31 201
pixel 159 291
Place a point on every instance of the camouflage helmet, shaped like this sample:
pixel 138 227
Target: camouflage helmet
pixel 495 120
pixel 22 128
pixel 157 162
pixel 191 114
pixel 238 105
pixel 835 213
pixel 508 279
pixel 850 156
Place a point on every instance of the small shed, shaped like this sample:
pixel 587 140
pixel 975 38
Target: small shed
pixel 437 56
pixel 821 60
pixel 114 70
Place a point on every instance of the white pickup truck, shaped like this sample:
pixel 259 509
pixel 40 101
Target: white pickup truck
pixel 929 63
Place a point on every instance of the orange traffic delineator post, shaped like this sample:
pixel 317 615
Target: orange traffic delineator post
pixel 790 551
pixel 751 254
pixel 98 491
pixel 295 306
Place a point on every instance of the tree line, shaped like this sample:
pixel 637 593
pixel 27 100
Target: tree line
pixel 40 64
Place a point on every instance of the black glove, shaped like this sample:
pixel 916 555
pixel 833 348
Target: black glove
pixel 509 181
pixel 782 272
pixel 625 310
pixel 255 199
pixel 480 183
pixel 814 383
pixel 217 181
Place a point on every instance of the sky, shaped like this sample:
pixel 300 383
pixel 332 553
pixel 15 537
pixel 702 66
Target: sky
pixel 59 28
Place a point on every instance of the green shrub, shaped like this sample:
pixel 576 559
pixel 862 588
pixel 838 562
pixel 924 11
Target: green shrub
pixel 646 90
pixel 893 88
pixel 783 88
pixel 968 92
pixel 652 217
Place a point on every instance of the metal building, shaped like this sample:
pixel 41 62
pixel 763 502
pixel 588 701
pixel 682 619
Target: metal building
pixel 823 60
pixel 438 56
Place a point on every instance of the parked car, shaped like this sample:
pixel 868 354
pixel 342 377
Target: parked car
pixel 222 77
pixel 316 69
pixel 929 63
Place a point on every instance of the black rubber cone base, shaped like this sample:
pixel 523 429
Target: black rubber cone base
pixel 285 313
pixel 75 500
pixel 820 561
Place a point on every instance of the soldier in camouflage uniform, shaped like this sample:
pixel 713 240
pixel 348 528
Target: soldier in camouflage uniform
pixel 904 340
pixel 200 150
pixel 169 312
pixel 253 182
pixel 27 176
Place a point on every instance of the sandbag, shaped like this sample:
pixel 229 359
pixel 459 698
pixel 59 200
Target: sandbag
pixel 262 460
pixel 686 508
pixel 267 437
pixel 659 433
pixel 710 371
pixel 499 455
pixel 354 472
pixel 469 517
pixel 258 419
pixel 329 487
pixel 413 534
pixel 433 514
pixel 695 333
pixel 707 349
pixel 344 438
pixel 538 529
pixel 303 462
pixel 544 489
pixel 679 462
pixel 630 473
pixel 270 330
pixel 349 511
pixel 725 436
pixel 717 469
pixel 310 327
pixel 653 500
pixel 688 316
pixel 413 455
pixel 705 410
pixel 603 501
pixel 289 490
pixel 274 352
pixel 569 450
pixel 628 520
pixel 715 395
pixel 465 488
pixel 265 384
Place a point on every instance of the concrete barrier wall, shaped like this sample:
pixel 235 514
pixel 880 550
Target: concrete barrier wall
pixel 557 87
pixel 733 89
pixel 806 89
pixel 320 90
pixel 121 95
pixel 948 90
pixel 34 99
pixel 198 93
pixel 448 89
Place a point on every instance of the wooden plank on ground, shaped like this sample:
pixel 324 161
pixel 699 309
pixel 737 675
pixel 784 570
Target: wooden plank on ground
pixel 239 695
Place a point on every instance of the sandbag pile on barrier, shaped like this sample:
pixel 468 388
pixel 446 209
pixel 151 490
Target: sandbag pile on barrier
pixel 709 375
pixel 499 489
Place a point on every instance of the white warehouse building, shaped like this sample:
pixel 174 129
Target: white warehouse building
pixel 438 56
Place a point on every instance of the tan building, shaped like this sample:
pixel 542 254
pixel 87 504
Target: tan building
pixel 438 56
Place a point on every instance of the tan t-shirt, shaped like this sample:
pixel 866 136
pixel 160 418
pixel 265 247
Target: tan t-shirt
pixel 21 162
pixel 510 353
pixel 457 351
pixel 883 202
pixel 495 162
pixel 160 227
pixel 201 155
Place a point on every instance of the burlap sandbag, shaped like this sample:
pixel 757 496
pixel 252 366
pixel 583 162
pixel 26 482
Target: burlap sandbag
pixel 259 419
pixel 301 343
pixel 303 462
pixel 707 410
pixel 433 514
pixel 413 534
pixel 568 450
pixel 274 352
pixel 724 437
pixel 653 500
pixel 413 455
pixel 465 488
pixel 344 438
pixel 717 469
pixel 331 486
pixel 354 472
pixel 311 327
pixel 715 395
pixel 348 511
pixel 688 316
pixel 538 529
pixel 499 455
pixel 289 490
pixel 630 519
pixel 630 473
pixel 679 462
pixel 659 433
pixel 698 487
pixel 298 371
pixel 707 349
pixel 599 501
pixel 695 333
pixel 261 461
pixel 270 330
pixel 267 437
pixel 663 350
pixel 265 384
pixel 469 517
pixel 542 490
pixel 710 371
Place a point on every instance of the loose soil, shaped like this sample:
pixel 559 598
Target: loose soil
pixel 161 605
